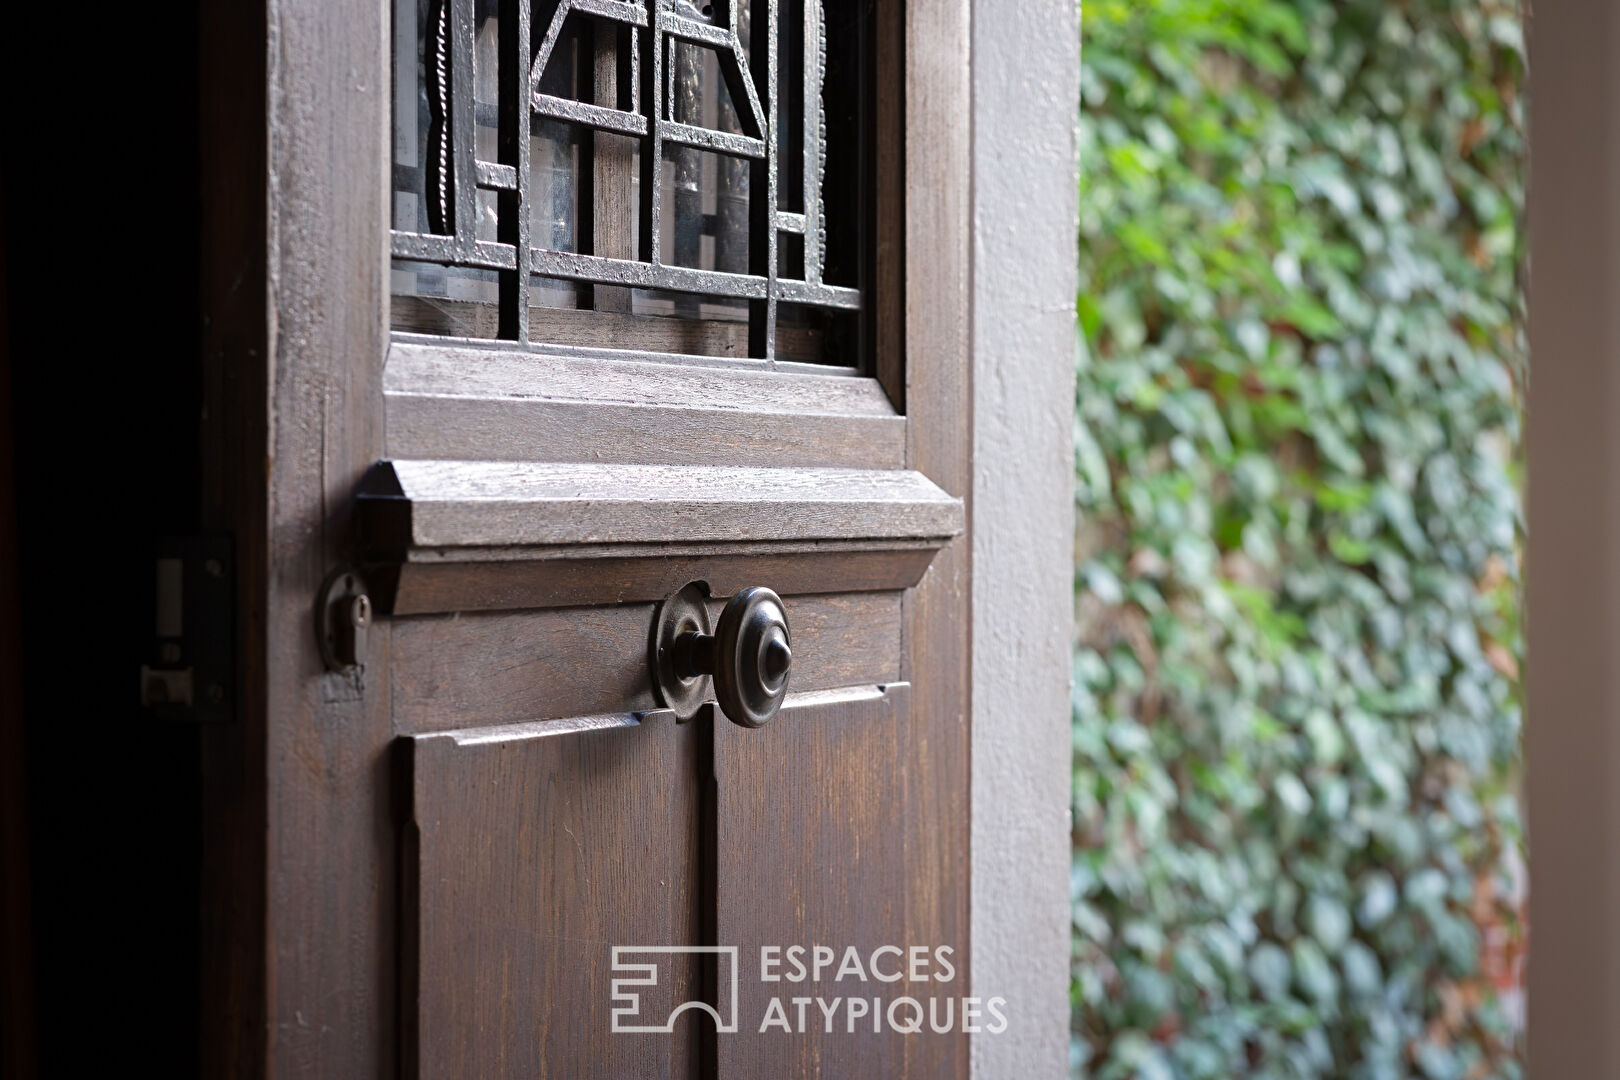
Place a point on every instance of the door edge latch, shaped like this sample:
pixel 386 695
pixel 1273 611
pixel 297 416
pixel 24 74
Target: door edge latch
pixel 189 672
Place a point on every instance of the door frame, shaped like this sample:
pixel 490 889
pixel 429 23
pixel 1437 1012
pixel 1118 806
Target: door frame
pixel 1026 86
pixel 294 189
pixel 1572 755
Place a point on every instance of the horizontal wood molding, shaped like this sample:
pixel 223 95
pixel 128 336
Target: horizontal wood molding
pixel 640 573
pixel 447 536
pixel 473 504
pixel 492 404
pixel 521 481
pixel 481 670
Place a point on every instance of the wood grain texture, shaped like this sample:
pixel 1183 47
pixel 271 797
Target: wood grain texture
pixel 463 402
pixel 938 275
pixel 455 504
pixel 529 856
pixel 1572 750
pixel 530 429
pixel 612 164
pixel 816 806
pixel 451 370
pixel 330 860
pixel 479 670
pixel 645 575
pixel 889 297
pixel 309 982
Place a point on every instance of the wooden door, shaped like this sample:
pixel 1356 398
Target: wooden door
pixel 546 311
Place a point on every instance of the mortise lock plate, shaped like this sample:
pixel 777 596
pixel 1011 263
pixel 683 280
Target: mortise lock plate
pixel 189 670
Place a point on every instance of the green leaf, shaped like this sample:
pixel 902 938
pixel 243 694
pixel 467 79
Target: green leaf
pixel 1300 371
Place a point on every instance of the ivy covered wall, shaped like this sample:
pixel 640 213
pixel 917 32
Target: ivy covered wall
pixel 1297 837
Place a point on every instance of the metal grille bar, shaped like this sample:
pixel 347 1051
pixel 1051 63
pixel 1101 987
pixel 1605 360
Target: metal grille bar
pixel 638 101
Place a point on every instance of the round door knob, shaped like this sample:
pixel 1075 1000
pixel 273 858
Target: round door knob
pixel 753 657
pixel 749 656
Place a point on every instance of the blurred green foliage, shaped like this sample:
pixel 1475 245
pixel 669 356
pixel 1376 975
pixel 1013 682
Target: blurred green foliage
pixel 1297 697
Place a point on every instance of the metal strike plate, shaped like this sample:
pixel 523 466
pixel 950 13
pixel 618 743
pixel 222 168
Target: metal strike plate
pixel 189 672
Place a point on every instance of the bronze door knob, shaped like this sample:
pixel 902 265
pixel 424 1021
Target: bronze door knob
pixel 748 657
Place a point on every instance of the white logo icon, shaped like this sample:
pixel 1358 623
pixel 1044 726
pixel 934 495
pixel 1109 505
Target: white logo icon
pixel 627 1000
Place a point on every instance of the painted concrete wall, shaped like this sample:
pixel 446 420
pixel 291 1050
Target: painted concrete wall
pixel 1025 96
pixel 1573 722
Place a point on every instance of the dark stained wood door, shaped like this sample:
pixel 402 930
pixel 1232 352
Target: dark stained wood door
pixel 531 850
pixel 542 312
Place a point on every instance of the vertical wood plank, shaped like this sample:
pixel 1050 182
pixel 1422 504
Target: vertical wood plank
pixel 531 854
pixel 889 224
pixel 686 169
pixel 607 208
pixel 731 200
pixel 934 762
pixel 233 57
pixel 812 832
pixel 1573 736
pixel 614 209
pixel 330 863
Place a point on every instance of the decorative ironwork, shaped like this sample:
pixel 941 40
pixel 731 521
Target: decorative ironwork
pixel 438 96
pixel 640 86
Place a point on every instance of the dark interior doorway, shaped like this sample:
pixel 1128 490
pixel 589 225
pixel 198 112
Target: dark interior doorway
pixel 99 211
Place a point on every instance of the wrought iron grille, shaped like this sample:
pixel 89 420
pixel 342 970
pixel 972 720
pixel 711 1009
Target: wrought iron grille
pixel 559 154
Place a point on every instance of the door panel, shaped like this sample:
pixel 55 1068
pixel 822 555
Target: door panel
pixel 812 830
pixel 530 852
